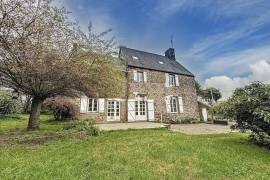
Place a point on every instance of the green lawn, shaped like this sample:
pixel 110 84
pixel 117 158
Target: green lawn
pixel 131 154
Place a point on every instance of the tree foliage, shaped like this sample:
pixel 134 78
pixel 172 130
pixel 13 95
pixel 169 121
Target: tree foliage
pixel 250 106
pixel 44 54
pixel 199 89
pixel 9 103
pixel 208 93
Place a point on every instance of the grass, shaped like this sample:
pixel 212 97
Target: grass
pixel 132 154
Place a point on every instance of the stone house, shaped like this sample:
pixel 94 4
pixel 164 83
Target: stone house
pixel 156 88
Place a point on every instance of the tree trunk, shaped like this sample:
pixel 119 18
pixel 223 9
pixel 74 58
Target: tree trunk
pixel 33 123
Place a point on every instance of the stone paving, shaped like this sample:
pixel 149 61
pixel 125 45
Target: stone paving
pixel 131 125
pixel 200 128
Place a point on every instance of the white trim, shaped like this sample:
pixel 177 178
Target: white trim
pixel 83 104
pixel 181 104
pixel 151 110
pixel 115 118
pixel 135 76
pixel 92 108
pixel 166 80
pixel 131 110
pixel 144 76
pixel 176 80
pixel 101 105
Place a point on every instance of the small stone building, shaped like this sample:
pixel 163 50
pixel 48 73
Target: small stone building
pixel 156 88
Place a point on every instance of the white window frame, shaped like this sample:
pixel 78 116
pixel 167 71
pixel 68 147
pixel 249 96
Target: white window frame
pixel 92 105
pixel 140 77
pixel 172 80
pixel 114 110
pixel 173 104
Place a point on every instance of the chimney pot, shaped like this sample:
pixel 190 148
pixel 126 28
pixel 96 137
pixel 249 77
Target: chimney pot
pixel 170 54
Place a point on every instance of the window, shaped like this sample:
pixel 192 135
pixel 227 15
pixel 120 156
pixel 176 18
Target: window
pixel 140 108
pixel 171 80
pixel 113 110
pixel 174 104
pixel 92 105
pixel 139 76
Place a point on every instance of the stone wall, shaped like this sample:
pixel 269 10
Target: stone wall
pixel 102 117
pixel 155 89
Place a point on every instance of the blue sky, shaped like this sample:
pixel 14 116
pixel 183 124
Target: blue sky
pixel 218 40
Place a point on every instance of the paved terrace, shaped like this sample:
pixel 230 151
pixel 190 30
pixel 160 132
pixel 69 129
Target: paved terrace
pixel 183 128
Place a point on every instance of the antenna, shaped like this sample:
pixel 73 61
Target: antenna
pixel 172 41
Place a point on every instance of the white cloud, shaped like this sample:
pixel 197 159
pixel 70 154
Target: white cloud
pixel 259 71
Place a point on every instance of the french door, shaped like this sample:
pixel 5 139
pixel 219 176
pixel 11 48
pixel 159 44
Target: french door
pixel 113 109
pixel 140 110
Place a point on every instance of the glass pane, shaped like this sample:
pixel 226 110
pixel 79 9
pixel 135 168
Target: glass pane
pixel 136 108
pixel 90 105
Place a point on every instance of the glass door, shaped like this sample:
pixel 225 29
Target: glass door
pixel 113 110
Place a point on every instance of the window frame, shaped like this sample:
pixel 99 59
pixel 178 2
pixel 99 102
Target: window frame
pixel 140 74
pixel 173 104
pixel 94 102
pixel 172 80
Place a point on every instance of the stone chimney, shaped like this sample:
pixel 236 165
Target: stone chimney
pixel 170 54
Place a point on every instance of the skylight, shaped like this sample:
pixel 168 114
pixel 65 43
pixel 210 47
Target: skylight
pixel 160 62
pixel 135 57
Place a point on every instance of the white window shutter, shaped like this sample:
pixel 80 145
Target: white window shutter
pixel 83 105
pixel 176 80
pixel 101 106
pixel 151 110
pixel 181 105
pixel 166 80
pixel 135 77
pixel 131 110
pixel 167 102
pixel 145 76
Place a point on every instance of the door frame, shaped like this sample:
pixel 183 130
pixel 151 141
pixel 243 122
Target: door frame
pixel 140 117
pixel 115 118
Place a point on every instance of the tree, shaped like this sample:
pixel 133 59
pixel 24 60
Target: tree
pixel 198 88
pixel 212 94
pixel 44 54
pixel 250 106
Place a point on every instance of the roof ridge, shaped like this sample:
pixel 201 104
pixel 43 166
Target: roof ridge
pixel 144 52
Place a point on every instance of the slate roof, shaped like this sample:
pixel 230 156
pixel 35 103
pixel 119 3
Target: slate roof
pixel 146 60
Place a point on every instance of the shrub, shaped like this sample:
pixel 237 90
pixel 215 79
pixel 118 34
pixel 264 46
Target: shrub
pixel 250 106
pixel 62 108
pixel 9 104
pixel 88 127
pixel 182 120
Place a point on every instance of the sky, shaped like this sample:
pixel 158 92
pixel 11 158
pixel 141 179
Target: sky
pixel 225 43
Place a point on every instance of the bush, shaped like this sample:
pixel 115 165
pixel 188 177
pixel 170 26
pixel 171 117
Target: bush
pixel 9 104
pixel 182 120
pixel 250 106
pixel 88 127
pixel 62 108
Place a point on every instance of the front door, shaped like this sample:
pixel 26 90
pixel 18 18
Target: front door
pixel 140 110
pixel 113 110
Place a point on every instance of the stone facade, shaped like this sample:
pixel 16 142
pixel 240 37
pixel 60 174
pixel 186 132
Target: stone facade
pixel 154 89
